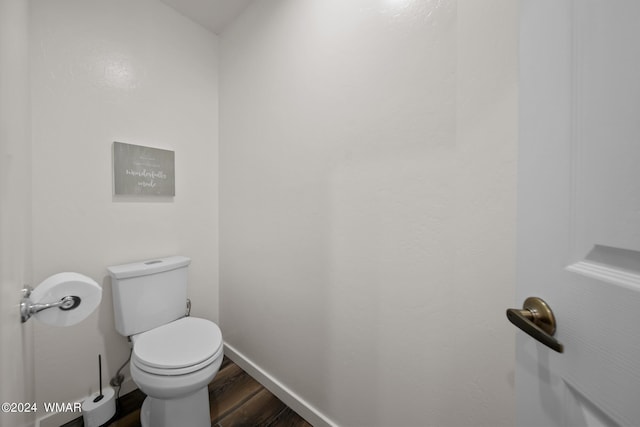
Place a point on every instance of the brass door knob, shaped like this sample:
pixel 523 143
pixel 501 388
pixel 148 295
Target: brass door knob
pixel 537 320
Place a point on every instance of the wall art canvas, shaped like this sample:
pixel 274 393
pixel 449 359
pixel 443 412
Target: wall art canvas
pixel 141 171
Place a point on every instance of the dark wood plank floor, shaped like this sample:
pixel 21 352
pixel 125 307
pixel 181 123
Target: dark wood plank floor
pixel 235 398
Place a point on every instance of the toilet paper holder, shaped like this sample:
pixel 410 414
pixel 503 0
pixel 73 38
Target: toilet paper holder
pixel 28 308
pixel 74 295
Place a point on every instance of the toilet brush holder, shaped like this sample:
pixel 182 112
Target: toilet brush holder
pixel 96 413
pixel 98 408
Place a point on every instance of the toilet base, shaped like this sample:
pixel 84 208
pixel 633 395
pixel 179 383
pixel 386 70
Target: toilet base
pixel 191 410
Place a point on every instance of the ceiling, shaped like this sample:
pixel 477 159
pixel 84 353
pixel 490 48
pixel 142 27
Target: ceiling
pixel 211 14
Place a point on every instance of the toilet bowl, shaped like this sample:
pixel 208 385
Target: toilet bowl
pixel 172 365
pixel 174 356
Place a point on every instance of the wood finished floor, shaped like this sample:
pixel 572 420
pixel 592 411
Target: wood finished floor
pixel 235 398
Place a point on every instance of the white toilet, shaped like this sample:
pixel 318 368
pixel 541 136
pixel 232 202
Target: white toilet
pixel 174 357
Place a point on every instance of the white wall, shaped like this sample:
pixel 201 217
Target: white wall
pixel 367 222
pixel 16 339
pixel 135 72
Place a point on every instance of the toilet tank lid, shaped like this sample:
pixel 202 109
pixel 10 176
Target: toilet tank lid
pixel 144 268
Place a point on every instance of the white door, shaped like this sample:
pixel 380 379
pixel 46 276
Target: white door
pixel 16 341
pixel 579 210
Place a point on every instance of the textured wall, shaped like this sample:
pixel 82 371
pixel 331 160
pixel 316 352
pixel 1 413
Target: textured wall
pixel 367 199
pixel 134 72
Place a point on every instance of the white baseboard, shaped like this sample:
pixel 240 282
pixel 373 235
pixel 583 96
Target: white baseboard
pixel 282 392
pixel 56 419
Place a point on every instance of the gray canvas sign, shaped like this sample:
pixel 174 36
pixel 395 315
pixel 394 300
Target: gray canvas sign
pixel 139 170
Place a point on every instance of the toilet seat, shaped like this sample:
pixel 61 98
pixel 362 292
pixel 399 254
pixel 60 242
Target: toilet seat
pixel 177 348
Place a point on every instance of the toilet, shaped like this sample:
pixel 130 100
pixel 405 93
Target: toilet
pixel 174 356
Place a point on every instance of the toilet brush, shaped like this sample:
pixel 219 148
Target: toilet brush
pixel 99 396
pixel 97 410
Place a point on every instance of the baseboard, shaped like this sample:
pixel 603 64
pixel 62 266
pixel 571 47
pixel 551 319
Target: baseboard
pixel 56 419
pixel 282 392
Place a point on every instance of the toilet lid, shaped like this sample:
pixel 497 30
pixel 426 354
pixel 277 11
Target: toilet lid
pixel 180 344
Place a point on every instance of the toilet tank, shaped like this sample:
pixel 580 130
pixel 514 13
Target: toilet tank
pixel 148 294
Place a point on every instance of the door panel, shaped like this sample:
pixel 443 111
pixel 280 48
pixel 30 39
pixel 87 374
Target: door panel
pixel 606 124
pixel 581 412
pixel 601 295
pixel 16 340
pixel 579 210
